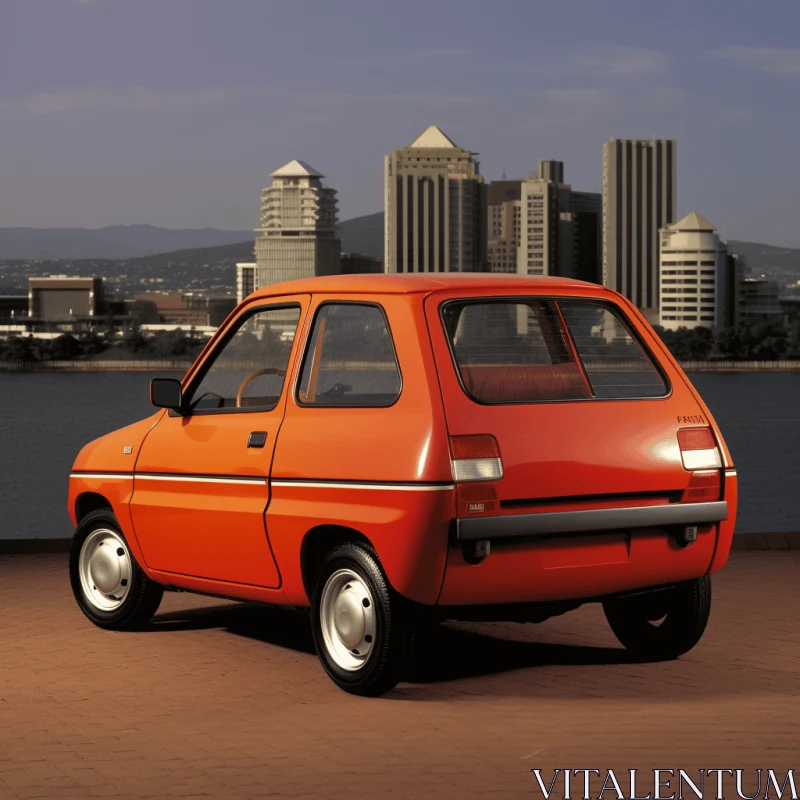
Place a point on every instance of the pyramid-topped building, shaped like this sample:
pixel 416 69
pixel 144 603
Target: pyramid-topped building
pixel 692 222
pixel 296 169
pixel 435 207
pixel 433 136
pixel 298 217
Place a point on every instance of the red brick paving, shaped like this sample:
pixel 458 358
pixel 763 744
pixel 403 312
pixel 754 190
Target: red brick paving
pixel 221 700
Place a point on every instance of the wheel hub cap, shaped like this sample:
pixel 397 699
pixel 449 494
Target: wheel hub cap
pixel 347 619
pixel 105 568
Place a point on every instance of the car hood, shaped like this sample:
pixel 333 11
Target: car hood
pixel 109 453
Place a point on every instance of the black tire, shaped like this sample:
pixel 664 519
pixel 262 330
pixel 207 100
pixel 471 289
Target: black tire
pixel 683 611
pixel 143 595
pixel 393 639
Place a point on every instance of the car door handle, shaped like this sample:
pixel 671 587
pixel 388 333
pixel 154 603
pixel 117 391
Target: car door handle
pixel 257 439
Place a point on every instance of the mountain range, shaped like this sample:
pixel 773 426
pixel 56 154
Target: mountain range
pixel 136 241
pixel 204 259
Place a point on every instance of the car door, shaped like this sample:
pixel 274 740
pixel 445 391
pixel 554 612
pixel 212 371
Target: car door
pixel 201 482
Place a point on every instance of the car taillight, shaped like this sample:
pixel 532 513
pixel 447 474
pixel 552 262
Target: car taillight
pixel 698 449
pixel 475 458
pixel 701 456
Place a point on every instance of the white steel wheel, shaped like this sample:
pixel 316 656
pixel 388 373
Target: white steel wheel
pixel 109 586
pixel 347 619
pixel 105 568
pixel 361 627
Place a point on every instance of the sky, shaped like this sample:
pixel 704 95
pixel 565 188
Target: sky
pixel 174 112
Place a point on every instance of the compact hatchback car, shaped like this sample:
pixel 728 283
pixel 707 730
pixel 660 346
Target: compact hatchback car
pixel 392 450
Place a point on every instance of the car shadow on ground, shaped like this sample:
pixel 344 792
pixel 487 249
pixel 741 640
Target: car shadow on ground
pixel 445 653
pixel 269 624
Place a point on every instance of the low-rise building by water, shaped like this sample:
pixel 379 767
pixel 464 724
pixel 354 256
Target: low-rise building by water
pixel 694 275
pixel 63 298
pixel 759 301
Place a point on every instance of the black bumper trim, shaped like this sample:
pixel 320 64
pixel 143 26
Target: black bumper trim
pixel 600 519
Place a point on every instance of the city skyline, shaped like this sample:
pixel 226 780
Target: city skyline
pixel 101 133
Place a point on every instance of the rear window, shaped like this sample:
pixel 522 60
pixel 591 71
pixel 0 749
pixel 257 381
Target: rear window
pixel 522 351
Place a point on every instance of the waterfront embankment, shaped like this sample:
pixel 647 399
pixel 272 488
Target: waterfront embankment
pixel 181 365
pixel 132 365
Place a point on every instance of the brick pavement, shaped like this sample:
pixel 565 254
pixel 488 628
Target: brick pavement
pixel 221 700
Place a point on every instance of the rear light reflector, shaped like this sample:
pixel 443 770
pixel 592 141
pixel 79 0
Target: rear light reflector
pixel 698 449
pixel 476 458
pixel 705 485
pixel 701 456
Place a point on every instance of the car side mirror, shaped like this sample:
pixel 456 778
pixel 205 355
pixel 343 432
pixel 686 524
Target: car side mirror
pixel 166 393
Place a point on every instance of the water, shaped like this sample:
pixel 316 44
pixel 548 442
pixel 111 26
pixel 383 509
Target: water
pixel 45 418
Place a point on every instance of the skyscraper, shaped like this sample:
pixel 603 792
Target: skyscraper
pixel 639 198
pixel 504 215
pixel 587 223
pixel 297 237
pixel 540 226
pixel 435 207
pixel 546 236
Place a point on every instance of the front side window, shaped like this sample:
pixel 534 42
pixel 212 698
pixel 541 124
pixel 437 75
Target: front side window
pixel 249 370
pixel 530 349
pixel 350 358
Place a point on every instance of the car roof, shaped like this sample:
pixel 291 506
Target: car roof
pixel 407 283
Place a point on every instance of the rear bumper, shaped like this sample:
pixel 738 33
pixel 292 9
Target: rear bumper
pixel 601 519
pixel 542 567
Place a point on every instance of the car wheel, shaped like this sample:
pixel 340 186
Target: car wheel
pixel 361 627
pixel 663 625
pixel 110 587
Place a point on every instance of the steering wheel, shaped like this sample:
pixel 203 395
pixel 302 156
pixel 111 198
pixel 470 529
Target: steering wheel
pixel 252 376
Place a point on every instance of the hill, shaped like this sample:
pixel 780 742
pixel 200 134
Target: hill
pixel 363 235
pixel 118 242
pixel 781 264
pixel 114 241
pixel 207 269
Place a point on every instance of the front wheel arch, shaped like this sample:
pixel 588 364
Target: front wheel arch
pixel 87 502
pixel 141 596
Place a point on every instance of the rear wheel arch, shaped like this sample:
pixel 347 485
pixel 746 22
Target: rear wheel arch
pixel 317 543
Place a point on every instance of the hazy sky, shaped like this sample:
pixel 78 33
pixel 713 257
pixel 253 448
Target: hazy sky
pixel 174 112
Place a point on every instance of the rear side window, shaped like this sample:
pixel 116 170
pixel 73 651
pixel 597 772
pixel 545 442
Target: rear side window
pixel 517 351
pixel 615 362
pixel 350 359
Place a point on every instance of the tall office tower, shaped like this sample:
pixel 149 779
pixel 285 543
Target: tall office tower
pixel 546 235
pixel 435 207
pixel 297 237
pixel 694 275
pixel 587 222
pixel 552 171
pixel 504 214
pixel 639 199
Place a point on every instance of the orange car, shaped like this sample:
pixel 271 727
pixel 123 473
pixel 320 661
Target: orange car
pixel 391 450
